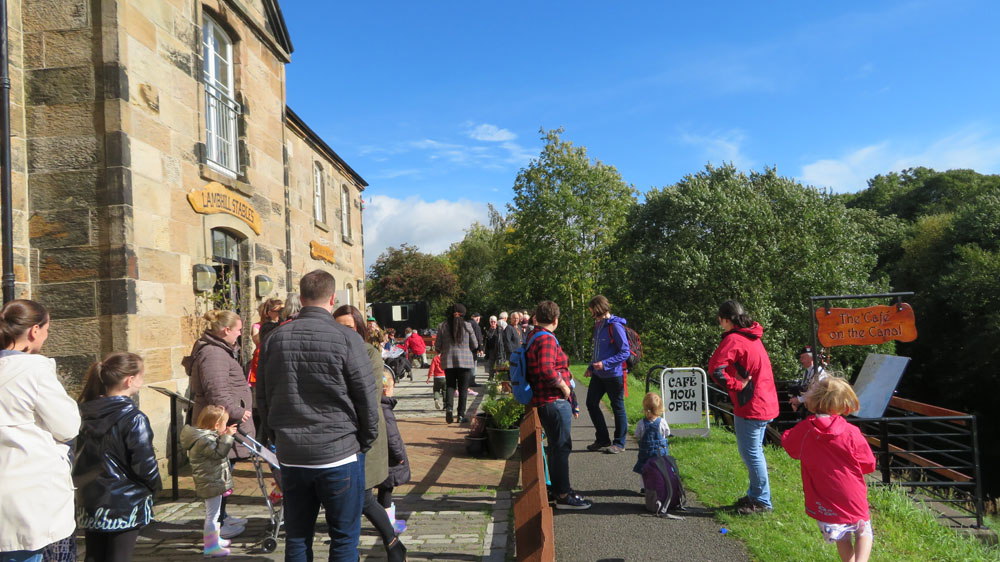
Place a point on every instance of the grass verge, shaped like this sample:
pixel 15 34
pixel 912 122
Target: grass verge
pixel 712 469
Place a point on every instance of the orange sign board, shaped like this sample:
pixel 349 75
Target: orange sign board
pixel 214 198
pixel 865 326
pixel 320 252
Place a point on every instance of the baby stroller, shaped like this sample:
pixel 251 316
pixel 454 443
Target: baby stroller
pixel 396 360
pixel 261 455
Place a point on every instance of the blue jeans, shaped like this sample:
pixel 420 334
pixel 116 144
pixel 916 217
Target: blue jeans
pixel 556 418
pixel 750 443
pixel 614 387
pixel 21 556
pixel 340 491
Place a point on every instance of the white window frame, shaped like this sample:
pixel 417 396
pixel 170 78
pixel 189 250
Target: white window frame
pixel 319 194
pixel 221 110
pixel 345 212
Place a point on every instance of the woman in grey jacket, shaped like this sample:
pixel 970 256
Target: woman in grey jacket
pixel 217 378
pixel 456 341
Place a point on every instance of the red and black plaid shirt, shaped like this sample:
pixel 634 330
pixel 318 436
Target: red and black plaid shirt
pixel 546 366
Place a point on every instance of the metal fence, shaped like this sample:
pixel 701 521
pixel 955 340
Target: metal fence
pixel 936 455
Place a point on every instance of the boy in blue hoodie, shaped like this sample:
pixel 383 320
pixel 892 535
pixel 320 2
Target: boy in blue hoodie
pixel 610 350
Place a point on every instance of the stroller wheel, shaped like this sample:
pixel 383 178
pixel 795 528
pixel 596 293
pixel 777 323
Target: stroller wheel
pixel 268 545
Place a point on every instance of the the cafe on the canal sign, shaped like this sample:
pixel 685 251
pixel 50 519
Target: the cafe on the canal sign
pixel 154 152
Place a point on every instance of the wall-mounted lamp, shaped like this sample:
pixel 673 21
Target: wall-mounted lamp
pixel 204 278
pixel 264 285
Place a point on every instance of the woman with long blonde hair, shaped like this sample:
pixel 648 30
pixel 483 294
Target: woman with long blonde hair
pixel 217 378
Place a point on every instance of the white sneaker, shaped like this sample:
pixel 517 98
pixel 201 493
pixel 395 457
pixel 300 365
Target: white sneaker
pixel 230 531
pixel 234 521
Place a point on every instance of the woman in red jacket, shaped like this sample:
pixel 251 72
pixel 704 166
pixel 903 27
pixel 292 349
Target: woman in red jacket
pixel 740 365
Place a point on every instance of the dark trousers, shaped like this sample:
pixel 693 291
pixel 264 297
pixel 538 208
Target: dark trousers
pixel 615 389
pixel 556 418
pixel 456 378
pixel 341 492
pixel 110 547
pixel 385 497
pixel 379 519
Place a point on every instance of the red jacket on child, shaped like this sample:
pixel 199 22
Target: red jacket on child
pixel 835 457
pixel 435 370
pixel 740 365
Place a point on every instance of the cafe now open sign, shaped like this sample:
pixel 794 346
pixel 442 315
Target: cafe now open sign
pixel 865 326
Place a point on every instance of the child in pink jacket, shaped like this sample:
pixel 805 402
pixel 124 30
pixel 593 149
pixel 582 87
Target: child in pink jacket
pixel 835 457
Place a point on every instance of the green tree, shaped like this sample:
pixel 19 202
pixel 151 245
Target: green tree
pixel 566 213
pixel 407 274
pixel 475 262
pixel 765 240
pixel 949 255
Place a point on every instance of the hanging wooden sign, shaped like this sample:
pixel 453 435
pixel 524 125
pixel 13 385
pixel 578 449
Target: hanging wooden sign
pixel 215 198
pixel 320 252
pixel 865 326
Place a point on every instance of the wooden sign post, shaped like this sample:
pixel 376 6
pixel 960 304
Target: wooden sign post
pixel 865 326
pixel 215 198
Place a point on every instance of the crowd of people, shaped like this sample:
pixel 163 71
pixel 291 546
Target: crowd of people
pixel 316 390
pixel 834 455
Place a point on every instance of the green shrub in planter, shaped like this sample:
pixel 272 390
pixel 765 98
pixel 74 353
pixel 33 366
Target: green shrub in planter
pixel 504 411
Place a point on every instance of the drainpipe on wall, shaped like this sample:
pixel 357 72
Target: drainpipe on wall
pixel 5 190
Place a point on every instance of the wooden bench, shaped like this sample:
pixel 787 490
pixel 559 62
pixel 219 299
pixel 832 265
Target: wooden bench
pixel 533 530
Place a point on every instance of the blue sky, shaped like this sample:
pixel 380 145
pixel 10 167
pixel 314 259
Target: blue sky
pixel 438 104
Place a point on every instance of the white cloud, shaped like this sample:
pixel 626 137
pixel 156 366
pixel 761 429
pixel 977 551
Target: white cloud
pixel 518 154
pixel 970 148
pixel 721 147
pixel 491 133
pixel 431 226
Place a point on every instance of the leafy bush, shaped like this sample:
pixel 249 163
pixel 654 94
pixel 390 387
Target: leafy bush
pixel 504 411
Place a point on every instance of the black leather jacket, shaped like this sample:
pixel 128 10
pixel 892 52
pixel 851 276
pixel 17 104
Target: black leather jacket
pixel 114 470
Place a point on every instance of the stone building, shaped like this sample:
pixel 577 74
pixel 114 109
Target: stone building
pixel 151 139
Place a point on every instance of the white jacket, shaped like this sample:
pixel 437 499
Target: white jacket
pixel 37 417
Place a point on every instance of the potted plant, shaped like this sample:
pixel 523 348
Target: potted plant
pixel 502 431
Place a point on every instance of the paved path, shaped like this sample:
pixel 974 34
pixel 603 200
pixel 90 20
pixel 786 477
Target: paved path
pixel 456 507
pixel 618 527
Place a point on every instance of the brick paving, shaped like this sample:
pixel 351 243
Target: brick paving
pixel 456 507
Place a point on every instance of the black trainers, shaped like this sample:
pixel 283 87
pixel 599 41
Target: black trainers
pixel 597 446
pixel 449 417
pixel 753 507
pixel 745 500
pixel 573 501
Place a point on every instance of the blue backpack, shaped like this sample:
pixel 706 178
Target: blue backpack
pixel 519 370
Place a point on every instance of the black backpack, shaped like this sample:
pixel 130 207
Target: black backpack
pixel 635 349
pixel 634 346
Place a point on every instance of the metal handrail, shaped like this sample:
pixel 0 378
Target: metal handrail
pixel 900 432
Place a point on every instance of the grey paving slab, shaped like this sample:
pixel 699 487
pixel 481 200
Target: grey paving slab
pixel 459 526
pixel 618 527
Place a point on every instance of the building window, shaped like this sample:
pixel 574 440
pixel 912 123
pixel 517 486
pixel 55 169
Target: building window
pixel 345 212
pixel 226 260
pixel 221 110
pixel 350 295
pixel 319 194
